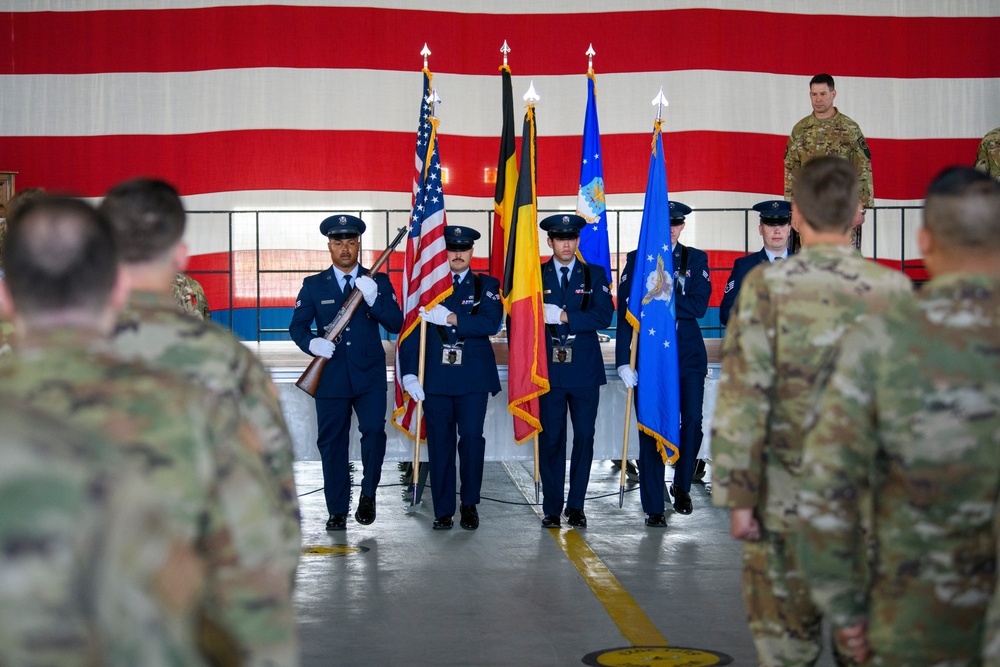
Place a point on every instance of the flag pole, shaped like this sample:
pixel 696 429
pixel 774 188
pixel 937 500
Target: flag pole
pixel 538 483
pixel 628 418
pixel 421 363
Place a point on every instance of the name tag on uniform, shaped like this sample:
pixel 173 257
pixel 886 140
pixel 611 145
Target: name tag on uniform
pixel 562 354
pixel 451 356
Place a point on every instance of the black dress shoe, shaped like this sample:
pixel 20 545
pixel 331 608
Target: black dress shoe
pixel 656 521
pixel 550 521
pixel 631 471
pixel 443 523
pixel 470 517
pixel 337 522
pixel 366 510
pixel 699 472
pixel 576 518
pixel 682 500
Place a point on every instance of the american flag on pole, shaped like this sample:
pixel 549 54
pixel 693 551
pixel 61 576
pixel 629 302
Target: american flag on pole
pixel 426 276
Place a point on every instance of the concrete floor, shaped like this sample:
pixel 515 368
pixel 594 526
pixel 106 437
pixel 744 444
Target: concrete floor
pixel 512 593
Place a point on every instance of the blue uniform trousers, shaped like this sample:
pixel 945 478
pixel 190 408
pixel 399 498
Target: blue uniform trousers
pixel 582 404
pixel 651 475
pixel 333 416
pixel 447 417
pixel 692 399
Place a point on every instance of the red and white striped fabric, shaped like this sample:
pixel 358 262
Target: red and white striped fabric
pixel 305 104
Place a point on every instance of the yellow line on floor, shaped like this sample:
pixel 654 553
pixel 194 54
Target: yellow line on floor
pixel 631 620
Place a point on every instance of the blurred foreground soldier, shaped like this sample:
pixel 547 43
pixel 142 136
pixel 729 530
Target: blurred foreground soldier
pixel 787 323
pixel 83 557
pixel 148 220
pixel 991 633
pixel 988 154
pixel 775 225
pixel 692 292
pixel 826 131
pixel 22 196
pixel 577 304
pixel 459 376
pixel 354 378
pixel 190 296
pixel 189 446
pixel 910 425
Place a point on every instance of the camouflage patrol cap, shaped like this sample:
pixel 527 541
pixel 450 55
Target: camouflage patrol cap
pixel 459 238
pixel 563 225
pixel 774 212
pixel 342 226
pixel 678 212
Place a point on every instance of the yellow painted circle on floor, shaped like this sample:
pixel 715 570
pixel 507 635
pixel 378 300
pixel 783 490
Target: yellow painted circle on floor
pixel 333 550
pixel 643 656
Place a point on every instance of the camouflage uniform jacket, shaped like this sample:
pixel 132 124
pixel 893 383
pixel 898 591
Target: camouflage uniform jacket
pixel 151 329
pixel 189 295
pixel 788 319
pixel 988 155
pixel 72 591
pixel 911 414
pixel 195 454
pixel 838 135
pixel 991 634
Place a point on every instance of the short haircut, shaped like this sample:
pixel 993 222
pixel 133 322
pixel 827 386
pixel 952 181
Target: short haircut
pixel 20 198
pixel 821 79
pixel 147 217
pixel 826 193
pixel 59 255
pixel 962 209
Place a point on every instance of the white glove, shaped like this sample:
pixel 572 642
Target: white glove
pixel 368 288
pixel 552 313
pixel 436 315
pixel 628 376
pixel 321 347
pixel 412 386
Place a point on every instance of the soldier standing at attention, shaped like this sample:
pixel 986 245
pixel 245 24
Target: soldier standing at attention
pixel 775 224
pixel 906 440
pixel 460 374
pixel 826 131
pixel 988 154
pixel 148 220
pixel 355 378
pixel 577 304
pixel 188 445
pixel 787 323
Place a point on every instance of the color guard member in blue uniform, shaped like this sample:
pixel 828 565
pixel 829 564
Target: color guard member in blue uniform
pixel 355 377
pixel 692 291
pixel 775 225
pixel 460 373
pixel 577 304
pixel 650 462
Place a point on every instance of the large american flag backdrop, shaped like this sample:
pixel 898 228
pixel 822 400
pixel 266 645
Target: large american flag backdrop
pixel 309 105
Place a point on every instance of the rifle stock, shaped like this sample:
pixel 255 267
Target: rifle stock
pixel 309 379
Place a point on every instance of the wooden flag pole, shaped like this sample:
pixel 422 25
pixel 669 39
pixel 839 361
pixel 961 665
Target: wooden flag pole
pixel 538 483
pixel 420 409
pixel 628 417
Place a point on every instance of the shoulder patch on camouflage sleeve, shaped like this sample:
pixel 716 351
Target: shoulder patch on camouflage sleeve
pixel 863 145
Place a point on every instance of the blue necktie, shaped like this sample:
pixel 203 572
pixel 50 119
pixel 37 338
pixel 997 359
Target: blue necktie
pixel 347 284
pixel 565 281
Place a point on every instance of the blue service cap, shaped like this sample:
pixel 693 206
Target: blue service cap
pixel 678 212
pixel 342 226
pixel 774 212
pixel 563 225
pixel 459 238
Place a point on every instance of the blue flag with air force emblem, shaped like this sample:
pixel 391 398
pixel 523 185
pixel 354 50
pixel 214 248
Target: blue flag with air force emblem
pixel 651 313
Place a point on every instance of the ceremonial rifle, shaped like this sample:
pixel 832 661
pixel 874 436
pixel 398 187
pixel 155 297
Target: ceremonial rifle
pixel 310 378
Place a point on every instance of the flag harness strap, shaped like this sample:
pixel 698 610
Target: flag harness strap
pixel 477 294
pixel 553 334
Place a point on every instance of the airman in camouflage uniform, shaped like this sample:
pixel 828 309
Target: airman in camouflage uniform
pixel 988 155
pixel 195 452
pixel 151 329
pixel 190 296
pixel 789 317
pixel 826 131
pixel 82 553
pixel 908 431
